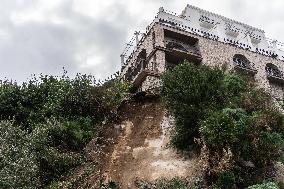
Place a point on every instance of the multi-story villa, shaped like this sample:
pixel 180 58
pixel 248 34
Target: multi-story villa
pixel 202 37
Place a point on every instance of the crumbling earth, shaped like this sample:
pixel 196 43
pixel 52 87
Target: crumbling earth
pixel 141 150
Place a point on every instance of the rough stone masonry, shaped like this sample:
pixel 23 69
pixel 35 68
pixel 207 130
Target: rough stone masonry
pixel 202 37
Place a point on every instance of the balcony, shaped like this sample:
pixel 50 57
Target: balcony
pixel 274 75
pixel 244 65
pixel 181 51
pixel 142 70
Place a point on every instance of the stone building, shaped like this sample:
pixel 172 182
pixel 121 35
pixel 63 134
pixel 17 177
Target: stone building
pixel 202 37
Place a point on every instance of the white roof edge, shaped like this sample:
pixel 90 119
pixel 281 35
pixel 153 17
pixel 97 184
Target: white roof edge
pixel 222 17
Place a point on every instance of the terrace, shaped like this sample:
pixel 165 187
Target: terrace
pixel 179 47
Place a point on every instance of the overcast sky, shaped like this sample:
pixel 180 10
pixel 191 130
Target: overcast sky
pixel 87 36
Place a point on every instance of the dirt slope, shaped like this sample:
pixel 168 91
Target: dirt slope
pixel 140 150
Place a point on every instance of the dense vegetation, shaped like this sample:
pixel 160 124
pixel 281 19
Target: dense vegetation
pixel 46 123
pixel 234 125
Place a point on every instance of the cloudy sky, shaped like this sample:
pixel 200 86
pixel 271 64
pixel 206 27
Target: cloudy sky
pixel 87 36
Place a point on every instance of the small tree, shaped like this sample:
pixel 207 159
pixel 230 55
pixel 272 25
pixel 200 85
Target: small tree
pixel 190 92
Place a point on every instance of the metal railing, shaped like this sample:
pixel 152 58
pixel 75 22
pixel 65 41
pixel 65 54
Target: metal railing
pixel 274 72
pixel 140 66
pixel 175 44
pixel 244 64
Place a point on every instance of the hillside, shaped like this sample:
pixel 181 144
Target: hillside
pixel 138 153
pixel 207 128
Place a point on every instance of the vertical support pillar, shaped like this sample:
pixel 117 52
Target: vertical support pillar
pixel 160 55
pixel 137 37
pixel 160 61
pixel 142 65
pixel 159 36
pixel 122 59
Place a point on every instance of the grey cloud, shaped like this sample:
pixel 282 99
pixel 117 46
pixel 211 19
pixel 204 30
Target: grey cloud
pixel 46 46
pixel 36 47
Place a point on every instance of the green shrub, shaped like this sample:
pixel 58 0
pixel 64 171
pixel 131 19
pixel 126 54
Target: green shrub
pixel 189 92
pixel 262 157
pixel 55 164
pixel 282 157
pixel 60 97
pixel 53 119
pixel 72 134
pixel 10 96
pixel 234 84
pixel 255 99
pixel 223 128
pixel 18 162
pixel 269 185
pixel 226 180
pixel 32 160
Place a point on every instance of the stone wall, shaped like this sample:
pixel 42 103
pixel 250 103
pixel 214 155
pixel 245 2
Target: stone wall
pixel 151 84
pixel 215 53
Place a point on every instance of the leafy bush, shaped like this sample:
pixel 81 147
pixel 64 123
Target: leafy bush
pixel 234 84
pixel 254 99
pixel 10 96
pixel 60 97
pixel 234 129
pixel 18 162
pixel 190 91
pixel 52 119
pixel 226 180
pixel 269 185
pixel 263 157
pixel 72 134
pixel 223 128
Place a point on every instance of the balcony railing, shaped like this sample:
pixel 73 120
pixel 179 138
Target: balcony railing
pixel 137 73
pixel 274 75
pixel 172 44
pixel 244 65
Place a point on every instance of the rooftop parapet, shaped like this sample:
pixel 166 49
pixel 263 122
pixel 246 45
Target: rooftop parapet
pixel 212 26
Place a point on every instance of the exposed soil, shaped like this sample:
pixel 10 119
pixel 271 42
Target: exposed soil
pixel 140 150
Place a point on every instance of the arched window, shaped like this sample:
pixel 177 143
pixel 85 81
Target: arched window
pixel 242 61
pixel 244 65
pixel 272 70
